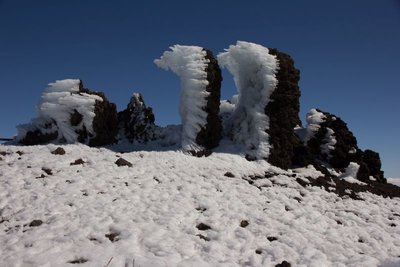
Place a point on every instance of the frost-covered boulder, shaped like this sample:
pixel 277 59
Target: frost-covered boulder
pixel 330 142
pixel 70 113
pixel 254 72
pixel 137 121
pixel 200 95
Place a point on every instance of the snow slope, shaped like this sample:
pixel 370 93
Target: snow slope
pixel 98 214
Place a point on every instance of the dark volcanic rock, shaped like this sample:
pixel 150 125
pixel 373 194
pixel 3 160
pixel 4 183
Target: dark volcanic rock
pixel 283 264
pixel 211 133
pixel 77 162
pixel 203 227
pixel 373 162
pixel 345 149
pixel 137 120
pixel 105 122
pixel 35 223
pixel 123 162
pixel 283 112
pixel 37 137
pixel 58 151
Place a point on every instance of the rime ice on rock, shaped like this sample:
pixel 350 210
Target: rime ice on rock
pixel 137 120
pixel 69 113
pixel 329 141
pixel 253 70
pixel 200 91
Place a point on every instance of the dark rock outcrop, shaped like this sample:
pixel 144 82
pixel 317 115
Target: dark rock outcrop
pixel 283 112
pixel 137 121
pixel 105 122
pixel 38 137
pixel 344 150
pixel 211 133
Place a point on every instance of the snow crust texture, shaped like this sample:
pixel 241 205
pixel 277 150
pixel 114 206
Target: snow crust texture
pixel 253 70
pixel 189 63
pixel 171 209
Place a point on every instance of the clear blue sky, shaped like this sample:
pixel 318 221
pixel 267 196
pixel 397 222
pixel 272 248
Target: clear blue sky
pixel 347 51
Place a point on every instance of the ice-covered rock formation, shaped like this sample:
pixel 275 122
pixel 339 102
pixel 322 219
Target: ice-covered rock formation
pixel 283 112
pixel 330 142
pixel 200 95
pixel 137 120
pixel 70 113
pixel 253 70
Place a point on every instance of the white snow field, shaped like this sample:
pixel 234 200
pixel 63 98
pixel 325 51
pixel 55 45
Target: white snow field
pixel 53 213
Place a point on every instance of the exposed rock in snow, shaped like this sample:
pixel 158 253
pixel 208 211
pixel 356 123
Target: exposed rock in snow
pixel 200 91
pixel 136 122
pixel 329 140
pixel 283 112
pixel 253 70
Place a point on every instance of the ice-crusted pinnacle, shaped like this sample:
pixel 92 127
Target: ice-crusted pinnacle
pixel 253 70
pixel 137 120
pixel 314 120
pixel 189 63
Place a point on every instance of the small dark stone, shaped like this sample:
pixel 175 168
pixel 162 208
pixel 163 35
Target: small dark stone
pixel 3 153
pixel 47 171
pixel 203 227
pixel 360 240
pixel 339 222
pixel 123 162
pixel 301 182
pixel 201 209
pixel 283 264
pixel 258 251
pixel 35 223
pixel 19 153
pixel 114 237
pixel 77 162
pixel 244 223
pixel 392 225
pixel 272 238
pixel 297 199
pixel 229 174
pixel 203 237
pixel 58 151
pixel 78 261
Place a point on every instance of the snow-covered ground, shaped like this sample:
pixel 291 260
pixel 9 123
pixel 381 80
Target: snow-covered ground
pixel 171 209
